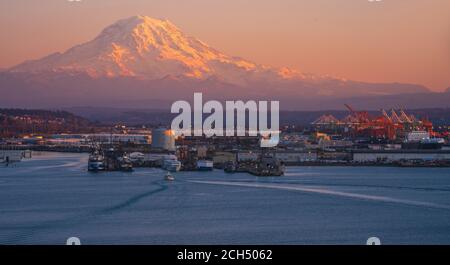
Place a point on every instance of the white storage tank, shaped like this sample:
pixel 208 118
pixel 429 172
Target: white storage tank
pixel 163 139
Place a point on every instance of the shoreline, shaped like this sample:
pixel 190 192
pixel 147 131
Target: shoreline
pixel 329 163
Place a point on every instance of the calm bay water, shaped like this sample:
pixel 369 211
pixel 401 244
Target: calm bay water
pixel 46 199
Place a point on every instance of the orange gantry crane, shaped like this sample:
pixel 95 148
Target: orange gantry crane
pixel 378 127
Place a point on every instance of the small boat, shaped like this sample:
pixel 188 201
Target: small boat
pixel 11 156
pixel 169 177
pixel 230 167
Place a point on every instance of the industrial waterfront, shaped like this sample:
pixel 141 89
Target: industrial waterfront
pixel 52 196
pixel 332 181
pixel 394 138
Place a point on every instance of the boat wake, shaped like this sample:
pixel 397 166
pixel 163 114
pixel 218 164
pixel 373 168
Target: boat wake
pixel 329 192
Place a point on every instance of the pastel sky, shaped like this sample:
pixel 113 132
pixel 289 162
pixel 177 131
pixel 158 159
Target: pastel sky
pixel 388 41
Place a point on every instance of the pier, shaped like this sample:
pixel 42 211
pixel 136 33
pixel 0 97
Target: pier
pixel 13 156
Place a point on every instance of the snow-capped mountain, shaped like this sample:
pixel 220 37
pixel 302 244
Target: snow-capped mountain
pixel 148 48
pixel 145 58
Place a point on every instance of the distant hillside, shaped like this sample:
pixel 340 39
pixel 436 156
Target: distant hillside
pixel 14 122
pixel 439 116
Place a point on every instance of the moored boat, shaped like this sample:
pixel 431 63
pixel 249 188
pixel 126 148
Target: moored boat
pixel 171 163
pixel 96 162
pixel 125 164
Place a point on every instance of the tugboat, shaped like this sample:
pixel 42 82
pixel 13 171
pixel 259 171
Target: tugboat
pixel 230 167
pixel 169 177
pixel 125 164
pixel 96 162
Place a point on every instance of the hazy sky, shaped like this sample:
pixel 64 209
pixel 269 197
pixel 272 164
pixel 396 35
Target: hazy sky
pixel 387 41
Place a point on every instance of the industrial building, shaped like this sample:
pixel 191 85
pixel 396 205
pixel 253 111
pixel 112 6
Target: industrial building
pixel 120 138
pixel 295 156
pixel 364 156
pixel 223 157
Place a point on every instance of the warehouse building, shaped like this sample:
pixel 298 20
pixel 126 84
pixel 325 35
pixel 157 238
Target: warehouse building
pixel 398 155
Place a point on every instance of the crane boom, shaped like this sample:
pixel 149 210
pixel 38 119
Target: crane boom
pixel 350 108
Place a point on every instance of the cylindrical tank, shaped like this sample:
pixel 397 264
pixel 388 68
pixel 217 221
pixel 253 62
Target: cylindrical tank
pixel 163 139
